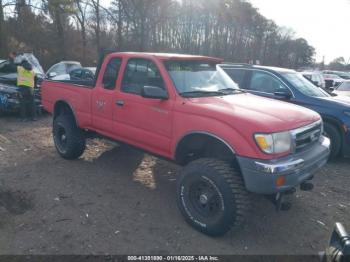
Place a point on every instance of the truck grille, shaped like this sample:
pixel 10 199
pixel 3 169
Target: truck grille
pixel 308 135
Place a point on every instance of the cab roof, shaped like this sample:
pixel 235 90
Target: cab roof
pixel 171 56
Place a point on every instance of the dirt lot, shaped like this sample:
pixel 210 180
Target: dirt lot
pixel 117 200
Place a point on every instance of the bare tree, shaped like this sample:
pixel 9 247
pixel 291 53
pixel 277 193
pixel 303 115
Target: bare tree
pixel 232 29
pixel 81 15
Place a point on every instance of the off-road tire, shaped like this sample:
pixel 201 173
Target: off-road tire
pixel 74 145
pixel 333 134
pixel 230 190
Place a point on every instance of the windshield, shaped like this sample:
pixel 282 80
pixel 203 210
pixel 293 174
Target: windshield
pixel 198 78
pixel 304 86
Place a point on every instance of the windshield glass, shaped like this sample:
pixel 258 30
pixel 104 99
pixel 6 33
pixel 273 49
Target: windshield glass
pixel 194 78
pixel 304 86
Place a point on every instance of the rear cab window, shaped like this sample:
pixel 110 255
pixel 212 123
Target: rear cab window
pixel 110 75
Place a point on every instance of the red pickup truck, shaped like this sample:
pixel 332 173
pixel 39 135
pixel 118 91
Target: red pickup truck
pixel 186 109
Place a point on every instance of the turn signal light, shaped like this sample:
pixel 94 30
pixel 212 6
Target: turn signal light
pixel 280 181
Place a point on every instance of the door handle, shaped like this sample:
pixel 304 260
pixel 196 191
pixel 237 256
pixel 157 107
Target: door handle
pixel 119 103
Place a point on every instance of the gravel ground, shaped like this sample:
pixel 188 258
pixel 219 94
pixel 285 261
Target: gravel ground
pixel 118 200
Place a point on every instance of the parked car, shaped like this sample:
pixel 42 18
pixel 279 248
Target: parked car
pixel 2 60
pixel 316 78
pixel 59 70
pixel 9 92
pixel 186 109
pixel 288 85
pixel 343 89
pixel 332 81
pixel 343 75
pixel 92 69
pixel 77 74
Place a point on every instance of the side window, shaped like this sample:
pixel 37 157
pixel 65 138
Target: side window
pixel 267 83
pixel 76 74
pixel 237 75
pixel 140 73
pixel 111 73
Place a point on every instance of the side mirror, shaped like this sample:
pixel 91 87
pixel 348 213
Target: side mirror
pixel 283 95
pixel 52 74
pixel 154 92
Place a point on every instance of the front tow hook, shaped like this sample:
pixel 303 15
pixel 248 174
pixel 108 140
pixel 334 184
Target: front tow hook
pixel 279 201
pixel 306 186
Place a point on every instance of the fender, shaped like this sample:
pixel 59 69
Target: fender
pixel 204 133
pixel 334 121
pixel 64 103
pixel 182 145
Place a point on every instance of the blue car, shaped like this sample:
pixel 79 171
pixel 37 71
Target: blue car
pixel 291 86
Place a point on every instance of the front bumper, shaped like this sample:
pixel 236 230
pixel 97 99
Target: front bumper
pixel 8 104
pixel 260 176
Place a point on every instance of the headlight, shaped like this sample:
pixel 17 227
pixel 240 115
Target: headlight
pixel 276 143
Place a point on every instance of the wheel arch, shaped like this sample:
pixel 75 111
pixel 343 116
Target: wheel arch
pixel 199 144
pixel 64 107
pixel 335 122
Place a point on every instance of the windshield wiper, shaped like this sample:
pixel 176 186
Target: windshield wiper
pixel 201 93
pixel 232 90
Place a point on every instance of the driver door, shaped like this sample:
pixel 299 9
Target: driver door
pixel 143 121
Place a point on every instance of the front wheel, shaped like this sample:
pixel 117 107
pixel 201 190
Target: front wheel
pixel 69 139
pixel 212 197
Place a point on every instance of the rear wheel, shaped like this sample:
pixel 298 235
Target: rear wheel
pixel 69 139
pixel 212 197
pixel 333 134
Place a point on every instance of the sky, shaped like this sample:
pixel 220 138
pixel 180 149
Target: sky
pixel 325 24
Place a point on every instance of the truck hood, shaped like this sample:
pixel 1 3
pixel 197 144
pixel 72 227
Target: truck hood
pixel 253 112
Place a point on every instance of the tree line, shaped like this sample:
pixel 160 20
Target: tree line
pixel 56 30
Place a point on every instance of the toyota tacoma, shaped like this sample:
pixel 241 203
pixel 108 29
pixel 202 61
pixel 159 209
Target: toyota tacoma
pixel 184 108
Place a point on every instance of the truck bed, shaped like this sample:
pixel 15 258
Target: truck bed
pixel 73 93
